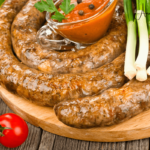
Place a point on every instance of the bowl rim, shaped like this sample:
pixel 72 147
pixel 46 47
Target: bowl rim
pixel 52 22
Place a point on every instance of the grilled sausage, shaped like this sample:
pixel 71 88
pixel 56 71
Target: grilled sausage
pixel 112 106
pixel 47 89
pixel 24 30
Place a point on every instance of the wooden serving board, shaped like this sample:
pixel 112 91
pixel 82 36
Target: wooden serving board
pixel 44 117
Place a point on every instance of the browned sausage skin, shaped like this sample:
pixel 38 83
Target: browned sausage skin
pixel 47 89
pixel 112 106
pixel 29 20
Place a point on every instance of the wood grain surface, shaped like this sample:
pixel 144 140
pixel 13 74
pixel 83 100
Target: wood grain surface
pixel 44 117
pixel 39 139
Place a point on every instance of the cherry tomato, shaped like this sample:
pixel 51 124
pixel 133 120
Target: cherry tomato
pixel 16 130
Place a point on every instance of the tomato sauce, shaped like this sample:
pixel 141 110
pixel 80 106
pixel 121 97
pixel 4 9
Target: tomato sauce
pixel 91 30
pixel 84 6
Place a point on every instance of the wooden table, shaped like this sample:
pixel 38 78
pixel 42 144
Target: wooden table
pixel 42 140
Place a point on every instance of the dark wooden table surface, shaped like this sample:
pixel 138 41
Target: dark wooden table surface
pixel 39 139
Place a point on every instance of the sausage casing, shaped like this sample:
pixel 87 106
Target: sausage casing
pixel 47 89
pixel 24 30
pixel 112 106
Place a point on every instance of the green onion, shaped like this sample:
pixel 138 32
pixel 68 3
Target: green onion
pixel 148 15
pixel 129 69
pixel 141 75
pixel 148 23
pixel 141 60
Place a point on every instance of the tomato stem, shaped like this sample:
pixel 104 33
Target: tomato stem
pixel 2 129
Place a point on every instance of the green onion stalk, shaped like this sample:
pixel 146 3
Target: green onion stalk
pixel 148 15
pixel 148 23
pixel 141 60
pixel 129 68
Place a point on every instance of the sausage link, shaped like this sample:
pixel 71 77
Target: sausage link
pixel 111 107
pixel 28 22
pixel 43 88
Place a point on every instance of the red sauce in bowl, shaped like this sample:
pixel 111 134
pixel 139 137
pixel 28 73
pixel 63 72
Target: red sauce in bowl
pixel 93 28
pixel 84 6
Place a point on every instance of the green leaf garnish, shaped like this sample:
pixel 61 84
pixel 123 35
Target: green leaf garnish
pixel 43 6
pixel 58 16
pixel 49 6
pixel 66 7
pixel 1 2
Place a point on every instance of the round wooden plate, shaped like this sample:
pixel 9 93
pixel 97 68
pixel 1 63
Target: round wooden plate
pixel 44 117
